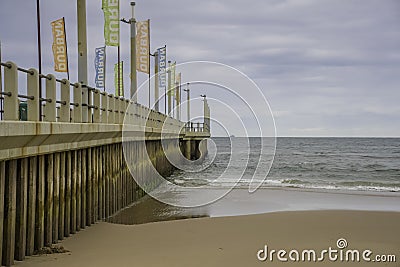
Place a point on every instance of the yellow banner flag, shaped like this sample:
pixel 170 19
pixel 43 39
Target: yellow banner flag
pixel 178 85
pixel 143 46
pixel 59 46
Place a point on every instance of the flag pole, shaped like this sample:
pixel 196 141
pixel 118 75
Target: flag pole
pixel 39 39
pixel 1 89
pixel 188 102
pixel 66 47
pixel 148 23
pixel 82 58
pixel 118 70
pixel 133 88
pixel 180 99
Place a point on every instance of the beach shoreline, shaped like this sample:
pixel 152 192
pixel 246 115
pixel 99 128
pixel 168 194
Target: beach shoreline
pixel 231 240
pixel 265 200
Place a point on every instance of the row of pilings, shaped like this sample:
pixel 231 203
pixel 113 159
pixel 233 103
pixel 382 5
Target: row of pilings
pixel 46 198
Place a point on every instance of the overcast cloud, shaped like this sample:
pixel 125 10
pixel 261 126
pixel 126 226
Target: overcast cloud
pixel 327 67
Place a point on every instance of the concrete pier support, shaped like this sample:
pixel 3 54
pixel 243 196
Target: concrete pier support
pixel 188 149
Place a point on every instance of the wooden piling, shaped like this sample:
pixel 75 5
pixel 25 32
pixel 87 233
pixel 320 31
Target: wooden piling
pixel 84 190
pixel 2 191
pixel 103 182
pixel 48 215
pixel 31 206
pixel 69 175
pixel 61 218
pixel 115 168
pixel 78 191
pixel 56 193
pixel 40 202
pixel 107 184
pixel 21 209
pixel 9 213
pixel 73 191
pixel 89 189
pixel 94 183
pixel 100 183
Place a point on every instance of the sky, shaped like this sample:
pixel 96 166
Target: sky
pixel 326 67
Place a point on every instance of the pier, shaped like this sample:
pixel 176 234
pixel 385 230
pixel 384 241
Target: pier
pixel 62 166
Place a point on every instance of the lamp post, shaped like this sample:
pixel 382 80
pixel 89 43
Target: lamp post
pixel 39 41
pixel 187 90
pixel 133 54
pixel 82 57
pixel 205 112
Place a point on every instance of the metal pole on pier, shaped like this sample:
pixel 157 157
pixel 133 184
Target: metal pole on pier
pixel 39 39
pixel 133 55
pixel 1 90
pixel 82 55
pixel 188 101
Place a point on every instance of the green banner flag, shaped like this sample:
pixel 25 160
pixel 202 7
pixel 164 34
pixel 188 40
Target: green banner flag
pixel 111 22
pixel 173 77
pixel 177 85
pixel 119 90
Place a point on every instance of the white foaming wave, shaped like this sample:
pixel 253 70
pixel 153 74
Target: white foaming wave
pixel 298 184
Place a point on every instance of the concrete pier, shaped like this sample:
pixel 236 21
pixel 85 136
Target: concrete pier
pixel 59 175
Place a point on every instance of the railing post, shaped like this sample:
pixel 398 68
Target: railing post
pixel 65 96
pixel 11 86
pixel 111 104
pixel 50 111
pixel 104 106
pixel 33 90
pixel 85 110
pixel 126 105
pixel 96 103
pixel 139 113
pixel 121 110
pixel 131 112
pixel 116 106
pixel 117 109
pixel 78 102
pixel 90 111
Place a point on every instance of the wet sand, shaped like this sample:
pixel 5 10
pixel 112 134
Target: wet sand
pixel 306 220
pixel 229 241
pixel 241 202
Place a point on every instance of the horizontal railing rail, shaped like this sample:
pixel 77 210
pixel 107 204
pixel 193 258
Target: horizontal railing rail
pixel 196 127
pixel 82 104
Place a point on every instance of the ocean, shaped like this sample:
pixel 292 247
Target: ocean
pixel 361 164
pixel 306 174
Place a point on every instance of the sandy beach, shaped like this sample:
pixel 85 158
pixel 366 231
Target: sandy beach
pixel 236 240
pixel 228 241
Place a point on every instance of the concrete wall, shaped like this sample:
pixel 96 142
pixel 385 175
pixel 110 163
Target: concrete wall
pixel 45 198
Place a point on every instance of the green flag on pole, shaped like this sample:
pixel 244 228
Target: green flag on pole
pixel 111 22
pixel 173 77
